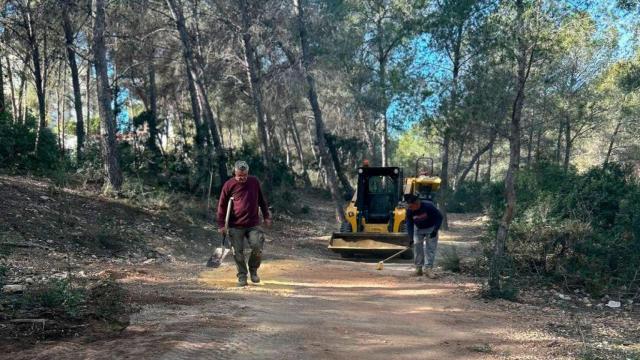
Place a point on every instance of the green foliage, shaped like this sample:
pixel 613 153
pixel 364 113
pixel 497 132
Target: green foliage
pixel 451 260
pixel 281 174
pixel 287 201
pixel 578 229
pixel 506 287
pixel 109 238
pixel 58 295
pixel 179 172
pixel 70 299
pixel 591 352
pixel 142 118
pixel 470 197
pixel 17 146
pixel 108 300
pixel 413 144
pixel 4 270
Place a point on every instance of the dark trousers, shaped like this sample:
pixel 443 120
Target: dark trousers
pixel 255 238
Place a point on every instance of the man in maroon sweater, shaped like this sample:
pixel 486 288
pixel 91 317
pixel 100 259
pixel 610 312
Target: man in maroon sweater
pixel 244 220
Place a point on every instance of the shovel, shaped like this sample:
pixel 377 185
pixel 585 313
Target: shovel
pixel 221 252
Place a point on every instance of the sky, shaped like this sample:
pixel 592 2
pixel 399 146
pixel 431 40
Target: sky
pixel 433 67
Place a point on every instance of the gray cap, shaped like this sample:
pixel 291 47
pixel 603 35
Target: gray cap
pixel 241 165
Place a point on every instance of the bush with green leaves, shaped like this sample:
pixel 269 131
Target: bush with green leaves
pixel 18 146
pixel 281 174
pixel 58 295
pixel 4 270
pixel 576 229
pixel 470 197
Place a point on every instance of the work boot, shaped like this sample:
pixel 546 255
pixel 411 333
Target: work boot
pixel 255 278
pixel 428 272
pixel 418 271
pixel 242 282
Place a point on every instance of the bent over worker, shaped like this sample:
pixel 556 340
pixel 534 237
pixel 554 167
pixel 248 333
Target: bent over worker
pixel 244 222
pixel 423 222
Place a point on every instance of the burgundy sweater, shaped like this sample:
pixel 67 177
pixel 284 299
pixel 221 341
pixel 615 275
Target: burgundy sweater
pixel 246 199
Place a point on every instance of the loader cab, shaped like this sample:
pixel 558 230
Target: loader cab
pixel 378 193
pixel 375 216
pixel 425 184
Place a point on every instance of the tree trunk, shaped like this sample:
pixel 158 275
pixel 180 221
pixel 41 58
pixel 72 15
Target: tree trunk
pixel 367 136
pixel 110 150
pixel 221 157
pixel 241 133
pixel 559 142
pixel 14 106
pixel 187 53
pixel 477 173
pixel 183 130
pixel 213 136
pixel 64 109
pixel 474 159
pixel 88 100
pixel 444 188
pixel 524 60
pixel 153 119
pixel 58 108
pixel 346 186
pixel 317 113
pixel 275 146
pixel 538 141
pixel 220 126
pixel 254 83
pixel 444 176
pixel 75 79
pixel 459 157
pixel 384 143
pixel 490 164
pixel 314 146
pixel 612 142
pixel 2 100
pixel 284 135
pixel 298 144
pixel 530 144
pixel 22 113
pixel 568 144
pixel 37 72
pixel 40 91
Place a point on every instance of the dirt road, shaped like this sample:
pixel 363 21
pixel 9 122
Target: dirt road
pixel 311 305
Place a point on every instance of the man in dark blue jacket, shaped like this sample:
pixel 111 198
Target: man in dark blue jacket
pixel 423 222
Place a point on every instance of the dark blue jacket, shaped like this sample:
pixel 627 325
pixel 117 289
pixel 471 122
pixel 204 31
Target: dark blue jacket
pixel 426 216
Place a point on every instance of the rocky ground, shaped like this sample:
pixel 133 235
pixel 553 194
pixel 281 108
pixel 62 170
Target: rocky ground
pixel 91 277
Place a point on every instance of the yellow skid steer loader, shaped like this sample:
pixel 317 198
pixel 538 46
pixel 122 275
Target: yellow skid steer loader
pixel 374 216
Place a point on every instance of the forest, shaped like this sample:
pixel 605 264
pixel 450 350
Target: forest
pixel 529 108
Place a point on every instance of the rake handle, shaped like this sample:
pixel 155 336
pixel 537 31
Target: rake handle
pixel 396 254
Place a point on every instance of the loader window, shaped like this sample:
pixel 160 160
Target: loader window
pixel 381 198
pixel 381 184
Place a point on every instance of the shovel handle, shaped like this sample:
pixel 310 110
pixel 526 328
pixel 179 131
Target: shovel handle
pixel 226 222
pixel 228 214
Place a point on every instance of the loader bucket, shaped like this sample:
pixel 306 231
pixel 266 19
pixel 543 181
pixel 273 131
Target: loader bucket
pixel 366 242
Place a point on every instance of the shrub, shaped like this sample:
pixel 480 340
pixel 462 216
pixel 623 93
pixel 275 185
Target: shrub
pixel 451 260
pixel 470 197
pixel 107 299
pixel 281 174
pixel 58 295
pixel 4 270
pixel 17 146
pixel 577 229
